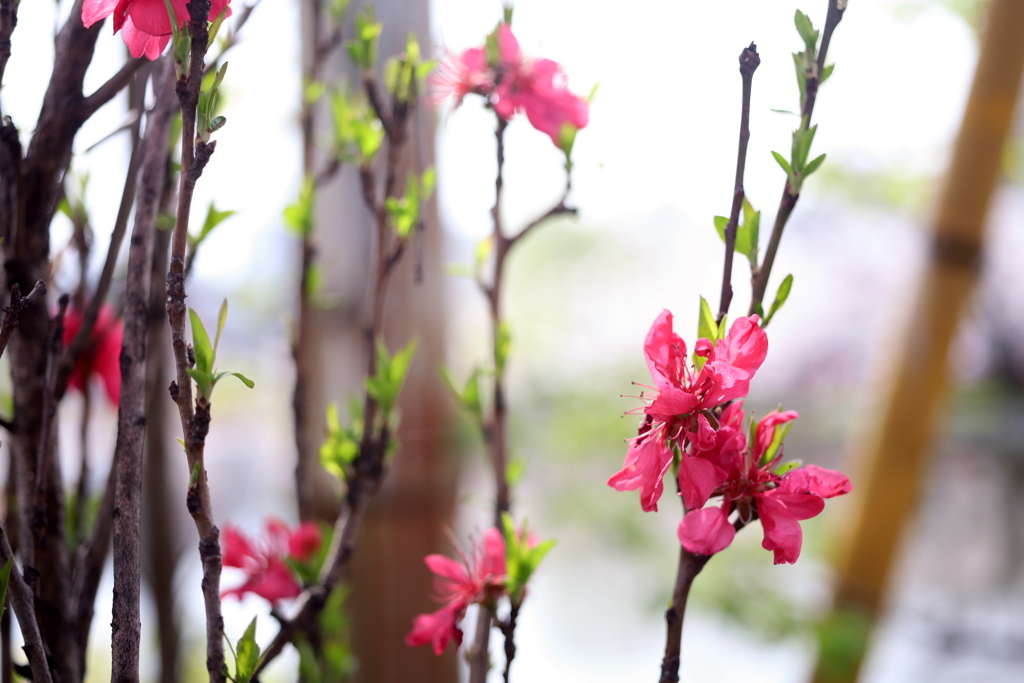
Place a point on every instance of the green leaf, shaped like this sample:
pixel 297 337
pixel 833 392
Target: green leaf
pixel 247 654
pixel 780 298
pixel 298 216
pixel 777 439
pixel 826 73
pixel 201 344
pixel 783 163
pixel 391 371
pixel 203 380
pixel 720 223
pixel 502 346
pixel 806 30
pixel 5 576
pixel 222 317
pixel 707 328
pixel 341 446
pixel 787 467
pixel 813 165
pixel 515 471
pixel 242 378
pixel 750 231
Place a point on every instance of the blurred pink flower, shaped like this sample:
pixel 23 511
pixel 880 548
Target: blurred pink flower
pixel 674 417
pixel 265 563
pixel 102 356
pixel 479 580
pixel 754 490
pixel 514 84
pixel 144 24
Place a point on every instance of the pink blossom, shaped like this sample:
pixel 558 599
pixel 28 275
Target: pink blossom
pixel 513 83
pixel 674 417
pixel 462 74
pixel 102 356
pixel 265 562
pixel 477 580
pixel 144 24
pixel 753 490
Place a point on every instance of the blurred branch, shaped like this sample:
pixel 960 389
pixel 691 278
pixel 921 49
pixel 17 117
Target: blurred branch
pixel 20 598
pixel 12 313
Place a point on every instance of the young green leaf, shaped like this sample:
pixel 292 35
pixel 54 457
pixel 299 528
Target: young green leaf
pixel 5 576
pixel 201 344
pixel 783 163
pixel 720 223
pixel 777 439
pixel 247 654
pixel 780 298
pixel 813 165
pixel 298 216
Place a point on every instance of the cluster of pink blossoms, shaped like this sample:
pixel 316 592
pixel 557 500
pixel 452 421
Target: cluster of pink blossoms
pixel 478 580
pixel 696 413
pixel 512 83
pixel 265 562
pixel 145 25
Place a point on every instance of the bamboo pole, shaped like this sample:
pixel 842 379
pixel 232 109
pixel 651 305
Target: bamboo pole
pixel 895 453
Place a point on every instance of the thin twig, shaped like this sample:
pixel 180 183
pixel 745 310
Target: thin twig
pixel 508 628
pixel 8 21
pixel 195 420
pixel 114 85
pixel 749 61
pixel 20 597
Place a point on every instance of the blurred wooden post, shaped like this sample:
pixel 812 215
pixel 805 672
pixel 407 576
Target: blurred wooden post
pixel 407 519
pixel 893 459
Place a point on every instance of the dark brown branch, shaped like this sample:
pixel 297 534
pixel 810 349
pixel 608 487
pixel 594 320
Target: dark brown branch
pixel 114 85
pixel 55 345
pixel 508 629
pixel 759 279
pixel 8 21
pixel 689 566
pixel 131 423
pixel 749 61
pixel 195 420
pixel 20 598
pixel 12 313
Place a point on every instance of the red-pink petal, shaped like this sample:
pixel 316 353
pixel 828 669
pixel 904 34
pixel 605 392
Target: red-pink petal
pixel 698 479
pixel 706 531
pixel 96 10
pixel 672 402
pixel 644 469
pixel 141 44
pixel 491 565
pixel 304 541
pixel 819 481
pixel 437 629
pixel 665 351
pixel 446 567
pixel 236 550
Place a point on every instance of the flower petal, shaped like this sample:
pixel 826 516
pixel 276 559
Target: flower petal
pixel 819 481
pixel 706 531
pixel 644 468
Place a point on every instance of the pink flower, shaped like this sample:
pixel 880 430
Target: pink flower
pixel 265 563
pixel 462 74
pixel 675 416
pixel 102 356
pixel 512 83
pixel 480 580
pixel 753 490
pixel 144 24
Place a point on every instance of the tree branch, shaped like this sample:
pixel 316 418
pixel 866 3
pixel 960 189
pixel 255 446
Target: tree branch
pixel 131 422
pixel 114 85
pixel 20 597
pixel 749 61
pixel 13 312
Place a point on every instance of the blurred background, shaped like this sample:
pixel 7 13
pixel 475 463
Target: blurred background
pixel 652 168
